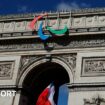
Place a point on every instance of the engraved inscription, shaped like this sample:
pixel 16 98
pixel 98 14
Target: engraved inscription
pixel 93 66
pixel 6 69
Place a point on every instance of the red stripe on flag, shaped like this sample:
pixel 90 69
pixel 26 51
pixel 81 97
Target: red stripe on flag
pixel 43 98
pixel 46 97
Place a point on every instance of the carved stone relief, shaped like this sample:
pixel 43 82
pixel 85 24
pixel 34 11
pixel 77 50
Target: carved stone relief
pixel 53 20
pixel 6 69
pixel 71 60
pixel 70 21
pixel 40 46
pixel 89 21
pixel 102 20
pixel 26 60
pixel 27 26
pixel 1 27
pixel 93 66
pixel 79 22
pixel 8 27
pixel 20 25
pixel 95 101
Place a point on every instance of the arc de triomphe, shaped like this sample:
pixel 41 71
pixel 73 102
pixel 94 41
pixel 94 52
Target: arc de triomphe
pixel 77 59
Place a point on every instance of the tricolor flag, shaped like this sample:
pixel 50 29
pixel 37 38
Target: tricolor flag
pixel 46 97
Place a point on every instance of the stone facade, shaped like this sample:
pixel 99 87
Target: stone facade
pixel 81 53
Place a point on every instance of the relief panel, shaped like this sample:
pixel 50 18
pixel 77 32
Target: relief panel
pixel 8 27
pixel 1 27
pixel 6 69
pixel 90 67
pixel 9 66
pixel 79 22
pixel 93 66
pixel 27 26
pixel 94 101
pixel 64 22
pixel 90 21
pixel 53 23
pixel 101 20
pixel 87 98
pixel 19 26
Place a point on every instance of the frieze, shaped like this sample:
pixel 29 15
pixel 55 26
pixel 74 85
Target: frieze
pixel 93 66
pixel 56 45
pixel 64 18
pixel 6 69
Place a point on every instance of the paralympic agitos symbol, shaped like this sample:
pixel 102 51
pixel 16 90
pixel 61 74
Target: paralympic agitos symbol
pixel 40 30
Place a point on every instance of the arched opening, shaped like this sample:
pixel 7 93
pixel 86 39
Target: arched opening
pixel 39 78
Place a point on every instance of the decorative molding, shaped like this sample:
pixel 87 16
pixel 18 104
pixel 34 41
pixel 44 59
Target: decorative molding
pixel 66 45
pixel 89 88
pixel 27 60
pixel 70 60
pixel 93 66
pixel 6 69
pixel 26 31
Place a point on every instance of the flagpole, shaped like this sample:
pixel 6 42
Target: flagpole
pixel 58 19
pixel 70 18
pixel 46 20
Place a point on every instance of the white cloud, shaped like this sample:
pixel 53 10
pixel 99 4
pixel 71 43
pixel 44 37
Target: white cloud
pixel 72 5
pixel 22 9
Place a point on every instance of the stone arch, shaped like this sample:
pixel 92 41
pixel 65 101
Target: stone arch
pixel 41 61
pixel 31 78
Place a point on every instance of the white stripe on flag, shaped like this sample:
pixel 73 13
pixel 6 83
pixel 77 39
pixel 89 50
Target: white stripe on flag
pixel 50 98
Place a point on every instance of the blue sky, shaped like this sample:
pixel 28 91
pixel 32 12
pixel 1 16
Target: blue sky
pixel 28 6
